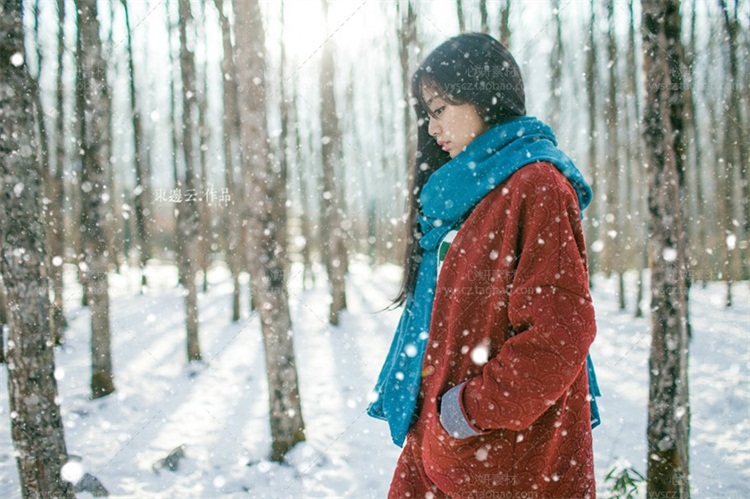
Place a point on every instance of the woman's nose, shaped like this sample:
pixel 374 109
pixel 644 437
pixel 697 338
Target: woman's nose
pixel 433 127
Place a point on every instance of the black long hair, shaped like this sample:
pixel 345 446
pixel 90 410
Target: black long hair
pixel 471 68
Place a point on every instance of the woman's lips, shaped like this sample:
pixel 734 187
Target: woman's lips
pixel 445 146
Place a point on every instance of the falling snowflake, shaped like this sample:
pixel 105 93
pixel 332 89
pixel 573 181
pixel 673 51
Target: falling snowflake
pixel 16 59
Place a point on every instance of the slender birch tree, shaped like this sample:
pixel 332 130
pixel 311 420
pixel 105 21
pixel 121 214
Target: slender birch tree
pixel 407 43
pixel 56 191
pixel 174 135
pixel 266 260
pixel 3 320
pixel 36 428
pixel 634 174
pixel 669 409
pixel 205 190
pixel 459 13
pixel 738 155
pixel 308 275
pixel 592 227
pixel 188 214
pixel 677 115
pixel 93 103
pixel 556 69
pixel 333 247
pixel 142 168
pixel 699 243
pixel 505 23
pixel 484 24
pixel 115 222
pixel 282 158
pixel 43 135
pixel 725 202
pixel 230 125
pixel 612 260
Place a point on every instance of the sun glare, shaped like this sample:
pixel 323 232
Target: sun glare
pixel 303 28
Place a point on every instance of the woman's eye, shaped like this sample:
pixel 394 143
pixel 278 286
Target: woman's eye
pixel 439 111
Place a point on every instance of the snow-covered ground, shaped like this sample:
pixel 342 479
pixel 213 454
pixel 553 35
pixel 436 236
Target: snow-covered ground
pixel 218 409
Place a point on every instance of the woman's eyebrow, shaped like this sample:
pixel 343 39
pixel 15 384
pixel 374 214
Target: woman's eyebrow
pixel 431 99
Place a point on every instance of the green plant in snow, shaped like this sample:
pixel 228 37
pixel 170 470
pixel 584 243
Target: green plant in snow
pixel 622 481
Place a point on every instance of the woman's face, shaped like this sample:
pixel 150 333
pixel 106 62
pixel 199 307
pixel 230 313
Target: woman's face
pixel 453 126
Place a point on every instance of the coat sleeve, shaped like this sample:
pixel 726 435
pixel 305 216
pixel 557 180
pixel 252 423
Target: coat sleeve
pixel 550 311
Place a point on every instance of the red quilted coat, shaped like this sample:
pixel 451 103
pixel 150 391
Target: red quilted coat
pixel 513 318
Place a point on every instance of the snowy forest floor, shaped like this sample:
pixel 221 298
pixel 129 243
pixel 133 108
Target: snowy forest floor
pixel 218 409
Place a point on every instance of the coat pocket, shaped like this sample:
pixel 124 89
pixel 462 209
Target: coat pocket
pixel 469 466
pixel 451 464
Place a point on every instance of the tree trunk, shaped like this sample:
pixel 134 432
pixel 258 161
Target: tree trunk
pixel 56 234
pixel 115 222
pixel 677 98
pixel 738 155
pixel 188 217
pixel 638 227
pixel 175 143
pixel 142 190
pixel 460 14
pixel 42 138
pixel 36 428
pixel 389 242
pixel 383 231
pixel 94 113
pixel 267 262
pixel 3 319
pixel 669 410
pixel 407 40
pixel 308 275
pixel 556 65
pixel 205 190
pixel 505 24
pixel 612 256
pixel 279 187
pixel 745 143
pixel 592 227
pixel 725 204
pixel 407 43
pixel 695 211
pixel 483 17
pixel 358 225
pixel 334 248
pixel 230 126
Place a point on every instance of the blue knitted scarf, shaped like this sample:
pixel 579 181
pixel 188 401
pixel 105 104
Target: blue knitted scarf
pixel 449 194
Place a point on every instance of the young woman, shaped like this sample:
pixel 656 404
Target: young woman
pixel 487 385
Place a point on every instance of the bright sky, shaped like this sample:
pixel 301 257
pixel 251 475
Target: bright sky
pixel 365 47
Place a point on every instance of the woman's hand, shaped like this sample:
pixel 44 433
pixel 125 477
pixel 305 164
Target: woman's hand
pixel 452 416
